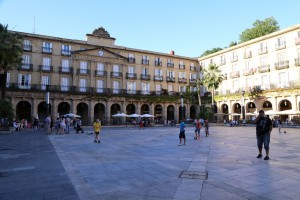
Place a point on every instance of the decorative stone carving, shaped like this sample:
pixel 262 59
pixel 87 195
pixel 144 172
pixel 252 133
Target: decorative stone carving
pixel 101 32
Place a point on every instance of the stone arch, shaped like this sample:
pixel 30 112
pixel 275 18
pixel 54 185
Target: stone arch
pixel 130 109
pixel 23 110
pixel 63 108
pixel 41 110
pixel 158 110
pixel 170 113
pixel 145 109
pixel 83 111
pixel 99 112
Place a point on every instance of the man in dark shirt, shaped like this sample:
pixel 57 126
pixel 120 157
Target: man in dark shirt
pixel 263 131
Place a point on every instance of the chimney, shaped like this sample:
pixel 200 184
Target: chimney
pixel 172 52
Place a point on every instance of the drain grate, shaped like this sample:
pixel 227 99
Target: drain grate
pixel 194 175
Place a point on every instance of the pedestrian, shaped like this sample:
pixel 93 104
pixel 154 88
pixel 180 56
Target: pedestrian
pixel 197 129
pixel 51 124
pixel 279 125
pixel 48 121
pixel 182 134
pixel 263 132
pixel 206 126
pixel 97 128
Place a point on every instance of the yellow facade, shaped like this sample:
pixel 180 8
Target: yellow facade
pixel 96 79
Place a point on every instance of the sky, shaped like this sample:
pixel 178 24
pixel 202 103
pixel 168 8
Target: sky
pixel 188 27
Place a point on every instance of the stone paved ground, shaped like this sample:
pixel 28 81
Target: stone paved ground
pixel 146 164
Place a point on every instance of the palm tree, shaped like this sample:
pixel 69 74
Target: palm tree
pixel 212 78
pixel 10 54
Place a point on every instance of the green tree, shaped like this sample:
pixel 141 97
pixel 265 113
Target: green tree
pixel 214 50
pixel 212 78
pixel 260 28
pixel 6 110
pixel 233 43
pixel 10 54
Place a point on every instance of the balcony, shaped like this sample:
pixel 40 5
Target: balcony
pixel 297 41
pixel 116 74
pixel 100 73
pixel 101 90
pixel 247 55
pixel 132 92
pixel 262 51
pixel 131 60
pixel 65 70
pixel 248 72
pixel 280 45
pixel 222 62
pixel 297 62
pixel 193 68
pixel 145 77
pixel 47 50
pixel 182 80
pixel 83 71
pixel 65 52
pixel 282 65
pixel 234 59
pixel 235 74
pixel 145 62
pixel 171 79
pixel 264 68
pixel 25 67
pixel 181 66
pixel 27 47
pixel 158 78
pixel 45 68
pixel 131 76
pixel 171 65
pixel 192 80
pixel 158 63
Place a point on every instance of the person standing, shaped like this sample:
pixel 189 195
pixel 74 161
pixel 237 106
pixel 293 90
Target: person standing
pixel 97 128
pixel 48 121
pixel 197 129
pixel 182 133
pixel 206 125
pixel 263 133
pixel 279 125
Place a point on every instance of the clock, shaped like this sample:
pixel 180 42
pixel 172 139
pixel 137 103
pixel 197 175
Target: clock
pixel 100 53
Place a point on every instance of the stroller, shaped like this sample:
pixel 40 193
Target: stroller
pixel 78 128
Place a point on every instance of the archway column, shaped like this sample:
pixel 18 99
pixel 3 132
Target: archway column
pixel 107 112
pixel 73 106
pixel 34 108
pixel 91 105
pixel 176 112
pixel 164 111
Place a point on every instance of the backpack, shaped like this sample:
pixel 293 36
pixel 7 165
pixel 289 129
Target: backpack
pixel 263 126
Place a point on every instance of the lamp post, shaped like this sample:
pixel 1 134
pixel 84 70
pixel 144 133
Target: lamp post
pixel 181 109
pixel 47 100
pixel 243 106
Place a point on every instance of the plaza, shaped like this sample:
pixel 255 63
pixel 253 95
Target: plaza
pixel 148 164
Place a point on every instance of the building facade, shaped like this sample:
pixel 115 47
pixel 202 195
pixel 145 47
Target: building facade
pixel 97 79
pixel 263 73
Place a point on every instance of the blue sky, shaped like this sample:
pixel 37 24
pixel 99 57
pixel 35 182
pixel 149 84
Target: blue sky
pixel 189 27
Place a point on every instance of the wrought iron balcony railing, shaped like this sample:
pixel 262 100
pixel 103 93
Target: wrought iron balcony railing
pixel 158 63
pixel 26 67
pixel 145 62
pixel 100 73
pixel 171 79
pixel 27 47
pixel 131 60
pixel 65 70
pixel 234 74
pixel 45 68
pixel 116 74
pixel 131 75
pixel 47 50
pixel 65 52
pixel 181 66
pixel 182 80
pixel 145 77
pixel 281 65
pixel 158 78
pixel 170 65
pixel 264 68
pixel 83 71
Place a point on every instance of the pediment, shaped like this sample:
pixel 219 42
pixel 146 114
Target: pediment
pixel 100 52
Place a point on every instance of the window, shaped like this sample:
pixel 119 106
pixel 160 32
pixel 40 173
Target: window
pixel 280 43
pixel 47 47
pixel 27 45
pixel 181 75
pixel 235 85
pixel 145 60
pixel 45 81
pixel 222 60
pixel 265 83
pixel 158 89
pixel 100 86
pixel 83 67
pixel 24 81
pixel 65 64
pixel 281 57
pixel 181 65
pixel 264 61
pixel 100 69
pixel 116 87
pixel 64 84
pixel 248 65
pixel 158 72
pixel 145 71
pixel 131 58
pixel 82 85
pixel 170 74
pixel 26 61
pixel 262 48
pixel 158 61
pixel 193 89
pixel 283 80
pixel 116 70
pixel 181 88
pixel 46 64
pixel 249 83
pixel 65 49
pixel 131 73
pixel 131 87
pixel 130 55
pixel 145 88
pixel 8 80
pixel 170 88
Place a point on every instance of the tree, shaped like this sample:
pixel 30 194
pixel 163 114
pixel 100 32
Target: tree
pixel 260 28
pixel 212 78
pixel 214 50
pixel 233 43
pixel 10 54
pixel 6 110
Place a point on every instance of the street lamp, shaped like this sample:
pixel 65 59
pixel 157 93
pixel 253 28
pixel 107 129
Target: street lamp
pixel 243 106
pixel 47 100
pixel 181 109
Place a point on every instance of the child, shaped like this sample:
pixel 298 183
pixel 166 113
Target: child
pixel 182 133
pixel 197 129
pixel 206 125
pixel 97 128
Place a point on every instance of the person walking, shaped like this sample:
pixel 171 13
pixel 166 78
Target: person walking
pixel 279 125
pixel 206 126
pixel 48 121
pixel 97 128
pixel 182 134
pixel 263 133
pixel 197 129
